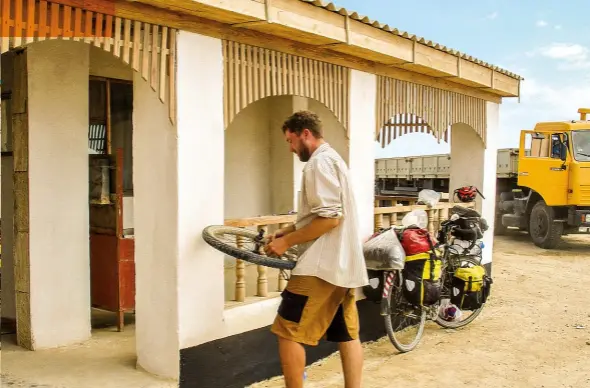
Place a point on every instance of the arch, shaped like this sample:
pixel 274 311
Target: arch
pixel 404 124
pixel 439 108
pixel 252 73
pixel 150 49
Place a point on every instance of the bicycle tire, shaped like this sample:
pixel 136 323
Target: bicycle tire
pixel 474 314
pixel 391 333
pixel 211 232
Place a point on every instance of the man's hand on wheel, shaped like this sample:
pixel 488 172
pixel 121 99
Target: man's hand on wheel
pixel 276 247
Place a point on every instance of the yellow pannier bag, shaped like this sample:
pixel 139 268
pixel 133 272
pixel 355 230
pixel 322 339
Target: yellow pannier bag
pixel 421 275
pixel 470 287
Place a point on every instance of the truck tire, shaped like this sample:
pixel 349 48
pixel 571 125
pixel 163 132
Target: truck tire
pixel 545 232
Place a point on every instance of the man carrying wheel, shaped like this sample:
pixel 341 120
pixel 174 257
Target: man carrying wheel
pixel 319 300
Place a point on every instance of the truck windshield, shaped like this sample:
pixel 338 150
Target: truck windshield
pixel 581 145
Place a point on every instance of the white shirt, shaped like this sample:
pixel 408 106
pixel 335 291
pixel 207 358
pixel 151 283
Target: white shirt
pixel 337 256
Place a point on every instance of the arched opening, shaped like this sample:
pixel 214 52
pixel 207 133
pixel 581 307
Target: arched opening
pixel 262 177
pixel 73 114
pixel 412 157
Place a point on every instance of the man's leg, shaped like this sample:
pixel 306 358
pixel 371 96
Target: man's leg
pixel 292 362
pixel 344 329
pixel 351 355
pixel 307 308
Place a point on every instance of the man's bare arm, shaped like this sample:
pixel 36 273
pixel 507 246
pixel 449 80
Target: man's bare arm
pixel 316 228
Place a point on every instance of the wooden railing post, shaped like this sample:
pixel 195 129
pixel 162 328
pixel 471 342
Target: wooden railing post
pixel 262 272
pixel 240 274
pixel 378 222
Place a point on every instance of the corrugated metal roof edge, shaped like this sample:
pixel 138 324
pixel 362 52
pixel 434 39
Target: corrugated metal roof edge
pixel 365 19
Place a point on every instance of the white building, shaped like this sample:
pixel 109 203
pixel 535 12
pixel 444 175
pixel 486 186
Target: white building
pixel 193 93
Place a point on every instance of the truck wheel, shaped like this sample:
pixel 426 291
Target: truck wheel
pixel 545 232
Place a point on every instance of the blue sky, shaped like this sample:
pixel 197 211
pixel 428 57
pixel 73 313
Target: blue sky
pixel 546 42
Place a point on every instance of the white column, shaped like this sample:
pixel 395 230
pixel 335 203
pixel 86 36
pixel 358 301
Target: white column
pixel 179 178
pixel 489 179
pixel 58 193
pixel 363 92
pixel 155 186
pixel 200 186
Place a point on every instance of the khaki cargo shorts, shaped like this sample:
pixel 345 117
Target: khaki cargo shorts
pixel 312 309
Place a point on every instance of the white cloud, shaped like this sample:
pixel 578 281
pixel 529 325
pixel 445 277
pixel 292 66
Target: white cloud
pixel 557 27
pixel 541 23
pixel 492 15
pixel 571 55
pixel 540 102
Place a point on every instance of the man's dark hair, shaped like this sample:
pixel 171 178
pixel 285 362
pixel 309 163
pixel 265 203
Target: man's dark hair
pixel 304 119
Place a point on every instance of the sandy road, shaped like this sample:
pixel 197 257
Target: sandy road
pixel 534 332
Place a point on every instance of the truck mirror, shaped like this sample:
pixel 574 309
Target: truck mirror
pixel 563 153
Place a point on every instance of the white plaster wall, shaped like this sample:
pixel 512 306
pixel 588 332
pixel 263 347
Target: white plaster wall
pixel 201 186
pixel 156 231
pixel 103 64
pixel 363 91
pixel 490 180
pixel 248 163
pixel 7 176
pixel 58 197
pixel 281 167
pixel 299 103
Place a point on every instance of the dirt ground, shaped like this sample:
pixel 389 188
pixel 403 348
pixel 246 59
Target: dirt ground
pixel 534 332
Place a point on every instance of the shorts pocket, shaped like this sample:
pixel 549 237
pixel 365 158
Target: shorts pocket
pixel 292 305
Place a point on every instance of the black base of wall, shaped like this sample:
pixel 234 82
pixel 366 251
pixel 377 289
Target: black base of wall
pixel 243 359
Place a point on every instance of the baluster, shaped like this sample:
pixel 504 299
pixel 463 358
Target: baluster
pixel 378 221
pixel 240 273
pixel 430 213
pixel 282 274
pixel 445 214
pixel 393 219
pixel 262 272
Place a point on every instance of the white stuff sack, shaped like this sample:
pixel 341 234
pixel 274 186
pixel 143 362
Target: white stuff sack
pixel 384 252
pixel 428 197
pixel 417 218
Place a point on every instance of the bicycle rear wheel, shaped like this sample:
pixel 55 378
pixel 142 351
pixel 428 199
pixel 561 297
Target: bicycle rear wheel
pixel 405 324
pixel 243 244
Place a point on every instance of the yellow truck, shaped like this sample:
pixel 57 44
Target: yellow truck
pixel 551 196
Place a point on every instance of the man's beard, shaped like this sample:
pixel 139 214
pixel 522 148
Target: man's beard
pixel 304 154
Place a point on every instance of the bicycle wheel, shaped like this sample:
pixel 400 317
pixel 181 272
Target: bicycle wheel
pixel 467 316
pixel 405 324
pixel 245 244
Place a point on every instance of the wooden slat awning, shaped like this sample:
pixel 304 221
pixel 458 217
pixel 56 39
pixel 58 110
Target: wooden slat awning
pixel 149 49
pixel 252 73
pixel 404 107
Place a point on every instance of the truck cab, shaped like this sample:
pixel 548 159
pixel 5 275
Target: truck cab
pixel 552 197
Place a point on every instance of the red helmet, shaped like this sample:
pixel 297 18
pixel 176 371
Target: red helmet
pixel 467 193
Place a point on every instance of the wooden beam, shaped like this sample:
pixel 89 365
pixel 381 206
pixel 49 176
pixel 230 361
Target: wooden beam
pixel 149 14
pixel 308 22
